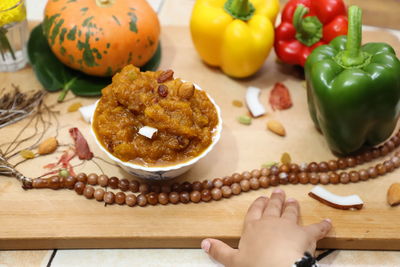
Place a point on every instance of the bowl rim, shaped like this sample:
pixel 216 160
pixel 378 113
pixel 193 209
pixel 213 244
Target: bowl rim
pixel 216 137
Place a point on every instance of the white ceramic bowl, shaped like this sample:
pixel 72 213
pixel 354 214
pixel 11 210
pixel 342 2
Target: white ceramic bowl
pixel 165 172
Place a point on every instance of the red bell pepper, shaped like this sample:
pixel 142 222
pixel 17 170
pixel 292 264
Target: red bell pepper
pixel 307 24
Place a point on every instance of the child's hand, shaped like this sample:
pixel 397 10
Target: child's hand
pixel 271 235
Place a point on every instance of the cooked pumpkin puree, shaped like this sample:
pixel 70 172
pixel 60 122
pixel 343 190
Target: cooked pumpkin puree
pixel 185 118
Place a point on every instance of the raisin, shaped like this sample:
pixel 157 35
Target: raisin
pixel 165 76
pixel 162 90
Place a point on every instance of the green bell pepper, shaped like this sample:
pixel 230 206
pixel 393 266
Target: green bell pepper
pixel 353 91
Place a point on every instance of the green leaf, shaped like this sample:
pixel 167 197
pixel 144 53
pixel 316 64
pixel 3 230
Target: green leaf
pixel 55 76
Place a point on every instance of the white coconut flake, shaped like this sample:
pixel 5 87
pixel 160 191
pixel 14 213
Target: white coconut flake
pixel 147 131
pixel 87 112
pixel 253 103
pixel 340 202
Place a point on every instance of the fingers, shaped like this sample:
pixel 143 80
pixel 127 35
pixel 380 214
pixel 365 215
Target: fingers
pixel 256 209
pixel 319 230
pixel 218 250
pixel 275 204
pixel 291 210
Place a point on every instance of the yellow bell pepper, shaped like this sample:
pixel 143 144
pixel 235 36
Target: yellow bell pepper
pixel 235 35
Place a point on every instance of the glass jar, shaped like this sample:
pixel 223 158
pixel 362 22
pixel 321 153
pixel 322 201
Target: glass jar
pixel 13 35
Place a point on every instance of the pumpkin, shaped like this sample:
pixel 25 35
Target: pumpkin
pixel 100 37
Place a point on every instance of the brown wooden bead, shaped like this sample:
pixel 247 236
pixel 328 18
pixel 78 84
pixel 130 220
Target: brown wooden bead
pixel 334 178
pixel 134 186
pixel 99 194
pixel 367 156
pixel 166 188
pixel 92 179
pixel 313 167
pixel 246 175
pixel 376 153
pixel 235 189
pixel 350 162
pixel 293 178
pixel 152 198
pixel 184 197
pixel 359 159
pixel 88 192
pixel 216 193
pixel 396 140
pixel 303 167
pixel 113 182
pixel 255 173
pixel 332 165
pixel 324 178
pixel 120 198
pixel 237 177
pixel 227 190
pixel 195 196
pixel 380 168
pixel 354 176
pixel 342 163
pixel 70 182
pixel 144 188
pixel 130 200
pixel 82 177
pixel 384 150
pixel 245 185
pixel 254 183
pixel 109 197
pixel 102 180
pixel 274 180
pixel 283 178
pixel 186 186
pixel 372 172
pixel 197 186
pixel 264 182
pixel 217 182
pixel 155 188
pixel 284 168
pixel 323 166
pixel 79 187
pixel 396 161
pixel 363 175
pixel 163 198
pixel 274 170
pixel 344 177
pixel 303 178
pixel 173 197
pixel 205 195
pixel 206 184
pixel 123 184
pixel 313 177
pixel 141 200
pixel 294 168
pixel 264 172
pixel 388 165
pixel 228 180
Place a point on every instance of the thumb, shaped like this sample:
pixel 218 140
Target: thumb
pixel 319 230
pixel 218 250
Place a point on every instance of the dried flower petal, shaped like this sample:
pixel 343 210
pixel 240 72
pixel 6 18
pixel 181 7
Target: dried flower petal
pixel 246 120
pixel 237 103
pixel 285 158
pixel 280 97
pixel 27 154
pixel 74 107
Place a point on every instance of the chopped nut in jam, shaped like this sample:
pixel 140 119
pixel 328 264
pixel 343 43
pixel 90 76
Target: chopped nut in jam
pixel 184 117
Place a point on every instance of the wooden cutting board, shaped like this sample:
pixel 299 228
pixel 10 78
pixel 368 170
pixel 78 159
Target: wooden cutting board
pixel 39 219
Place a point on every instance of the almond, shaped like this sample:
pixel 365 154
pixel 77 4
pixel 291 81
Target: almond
pixel 393 194
pixel 186 90
pixel 48 146
pixel 276 127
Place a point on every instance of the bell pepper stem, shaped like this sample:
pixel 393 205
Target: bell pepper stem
pixel 353 55
pixel 308 29
pixel 239 9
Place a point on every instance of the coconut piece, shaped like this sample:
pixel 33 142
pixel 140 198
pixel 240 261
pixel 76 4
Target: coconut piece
pixel 338 202
pixel 87 112
pixel 147 131
pixel 253 103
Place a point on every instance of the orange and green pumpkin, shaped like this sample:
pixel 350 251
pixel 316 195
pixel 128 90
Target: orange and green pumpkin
pixel 100 37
